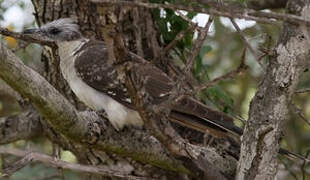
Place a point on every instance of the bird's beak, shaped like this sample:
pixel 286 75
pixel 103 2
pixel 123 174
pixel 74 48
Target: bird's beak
pixel 31 31
pixel 38 36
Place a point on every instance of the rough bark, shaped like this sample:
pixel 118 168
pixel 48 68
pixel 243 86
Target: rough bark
pixel 29 84
pixel 269 108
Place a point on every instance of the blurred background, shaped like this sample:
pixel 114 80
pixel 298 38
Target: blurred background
pixel 221 53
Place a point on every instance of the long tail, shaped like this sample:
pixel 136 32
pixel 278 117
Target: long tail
pixel 195 115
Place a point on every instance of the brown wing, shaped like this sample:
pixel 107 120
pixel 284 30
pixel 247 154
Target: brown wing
pixel 156 83
pixel 93 67
pixel 188 111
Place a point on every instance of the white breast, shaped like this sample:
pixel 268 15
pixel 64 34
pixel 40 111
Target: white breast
pixel 118 114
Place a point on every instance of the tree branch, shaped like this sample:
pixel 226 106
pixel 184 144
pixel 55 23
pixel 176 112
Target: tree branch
pixel 178 37
pixel 29 156
pixel 49 102
pixel 23 126
pixel 252 4
pixel 219 10
pixel 300 113
pixel 242 66
pixel 266 4
pixel 246 42
pixel 203 33
pixel 28 38
pixel 305 90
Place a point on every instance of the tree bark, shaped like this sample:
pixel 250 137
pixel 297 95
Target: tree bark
pixel 269 108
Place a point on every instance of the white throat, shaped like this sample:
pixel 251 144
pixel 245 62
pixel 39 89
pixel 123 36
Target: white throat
pixel 118 114
pixel 66 49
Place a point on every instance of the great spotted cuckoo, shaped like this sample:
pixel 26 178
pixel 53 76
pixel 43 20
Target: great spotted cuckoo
pixel 85 66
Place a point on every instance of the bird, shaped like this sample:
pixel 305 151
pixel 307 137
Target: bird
pixel 85 65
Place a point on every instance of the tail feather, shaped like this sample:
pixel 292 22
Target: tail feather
pixel 198 114
pixel 195 115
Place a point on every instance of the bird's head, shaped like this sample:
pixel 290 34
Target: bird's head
pixel 64 29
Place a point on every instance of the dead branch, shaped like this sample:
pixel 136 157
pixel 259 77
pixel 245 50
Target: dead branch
pixel 197 46
pixel 305 90
pixel 188 20
pixel 299 112
pixel 13 167
pixel 178 37
pixel 246 42
pixel 219 10
pixel 266 4
pixel 251 4
pixel 23 126
pixel 303 167
pixel 229 75
pixel 28 157
pixel 28 38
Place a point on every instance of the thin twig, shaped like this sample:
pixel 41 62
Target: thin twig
pixel 137 32
pixel 230 74
pixel 178 37
pixel 171 45
pixel 289 170
pixel 197 46
pixel 220 10
pixel 192 26
pixel 246 42
pixel 197 9
pixel 266 4
pixel 190 22
pixel 299 112
pixel 28 38
pixel 8 171
pixel 304 90
pixel 48 160
pixel 304 165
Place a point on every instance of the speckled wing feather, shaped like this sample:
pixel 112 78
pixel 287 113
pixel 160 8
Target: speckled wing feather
pixel 156 83
pixel 188 111
pixel 93 67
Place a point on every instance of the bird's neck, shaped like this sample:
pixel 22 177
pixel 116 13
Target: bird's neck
pixel 67 49
pixel 67 52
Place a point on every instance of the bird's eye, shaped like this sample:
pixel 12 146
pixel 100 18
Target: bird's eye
pixel 54 31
